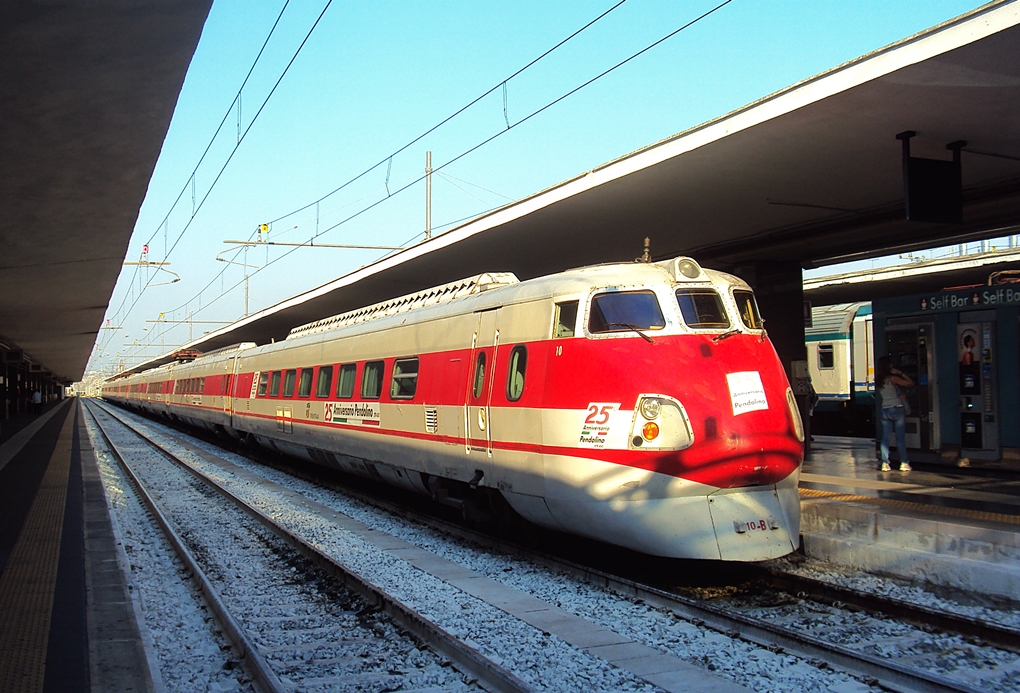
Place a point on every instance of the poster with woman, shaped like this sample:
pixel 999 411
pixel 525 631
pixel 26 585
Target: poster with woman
pixel 970 361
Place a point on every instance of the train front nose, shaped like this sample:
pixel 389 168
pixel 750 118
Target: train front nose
pixel 732 420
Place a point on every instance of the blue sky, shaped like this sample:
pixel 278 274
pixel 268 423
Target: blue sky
pixel 373 76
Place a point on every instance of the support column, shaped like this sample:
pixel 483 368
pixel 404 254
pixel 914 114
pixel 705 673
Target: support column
pixel 779 289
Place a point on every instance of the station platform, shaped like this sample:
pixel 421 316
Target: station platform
pixel 69 620
pixel 953 528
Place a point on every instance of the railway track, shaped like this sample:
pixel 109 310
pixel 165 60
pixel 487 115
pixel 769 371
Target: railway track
pixel 820 624
pixel 302 621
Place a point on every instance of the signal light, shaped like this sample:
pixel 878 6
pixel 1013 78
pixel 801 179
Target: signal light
pixel 650 430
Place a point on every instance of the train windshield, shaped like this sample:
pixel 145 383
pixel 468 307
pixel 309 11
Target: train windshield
pixel 702 308
pixel 620 311
pixel 748 309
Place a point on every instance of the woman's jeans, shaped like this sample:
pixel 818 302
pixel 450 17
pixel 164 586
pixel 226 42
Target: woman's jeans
pixel 894 417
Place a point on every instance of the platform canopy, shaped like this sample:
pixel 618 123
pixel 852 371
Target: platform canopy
pixel 86 98
pixel 915 278
pixel 813 174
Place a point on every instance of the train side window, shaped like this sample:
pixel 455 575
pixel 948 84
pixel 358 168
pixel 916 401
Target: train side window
pixel 345 383
pixel 404 381
pixel 564 319
pixel 702 308
pixel 325 382
pixel 274 385
pixel 515 373
pixel 371 380
pixel 479 374
pixel 747 307
pixel 201 385
pixel 623 311
pixel 305 384
pixel 289 379
pixel 826 357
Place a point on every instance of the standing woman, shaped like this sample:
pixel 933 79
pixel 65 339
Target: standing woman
pixel 888 380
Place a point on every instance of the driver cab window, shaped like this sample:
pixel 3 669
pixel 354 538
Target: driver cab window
pixel 622 311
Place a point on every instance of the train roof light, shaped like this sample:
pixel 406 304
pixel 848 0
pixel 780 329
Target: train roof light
pixel 688 268
pixel 684 269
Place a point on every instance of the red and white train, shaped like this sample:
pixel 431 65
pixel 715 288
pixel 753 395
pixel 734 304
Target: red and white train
pixel 639 404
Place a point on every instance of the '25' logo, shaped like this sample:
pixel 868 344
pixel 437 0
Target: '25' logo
pixel 598 413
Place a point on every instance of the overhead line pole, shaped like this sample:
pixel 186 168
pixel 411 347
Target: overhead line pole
pixel 428 195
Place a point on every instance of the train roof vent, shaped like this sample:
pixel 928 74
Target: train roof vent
pixel 428 297
pixel 186 355
pixel 233 347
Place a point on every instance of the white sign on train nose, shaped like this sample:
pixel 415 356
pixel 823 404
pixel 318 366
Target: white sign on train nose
pixel 746 392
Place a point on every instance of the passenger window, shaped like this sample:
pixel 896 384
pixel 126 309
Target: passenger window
pixel 371 382
pixel 564 319
pixel 325 382
pixel 305 384
pixel 620 311
pixel 826 357
pixel 345 383
pixel 479 374
pixel 201 385
pixel 515 373
pixel 274 385
pixel 289 379
pixel 405 379
pixel 748 309
pixel 702 308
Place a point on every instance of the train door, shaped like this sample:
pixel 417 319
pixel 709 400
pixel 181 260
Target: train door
pixel 863 359
pixel 912 348
pixel 978 402
pixel 228 383
pixel 478 432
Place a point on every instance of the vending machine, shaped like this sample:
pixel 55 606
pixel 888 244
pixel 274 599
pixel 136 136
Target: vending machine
pixel 978 403
pixel 911 346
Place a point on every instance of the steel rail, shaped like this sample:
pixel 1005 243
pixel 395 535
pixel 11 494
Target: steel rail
pixel 489 675
pixel 252 661
pixel 886 673
pixel 889 674
pixel 995 634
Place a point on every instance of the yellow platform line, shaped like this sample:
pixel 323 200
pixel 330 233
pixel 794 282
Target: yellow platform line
pixel 906 505
pixel 29 579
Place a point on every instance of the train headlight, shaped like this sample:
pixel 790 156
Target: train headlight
pixel 670 429
pixel 650 408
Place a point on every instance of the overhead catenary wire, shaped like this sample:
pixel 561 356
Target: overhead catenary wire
pixel 190 182
pixel 487 140
pixel 230 157
pixel 500 85
pixel 389 159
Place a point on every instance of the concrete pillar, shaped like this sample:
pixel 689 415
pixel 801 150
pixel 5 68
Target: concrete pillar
pixel 779 290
